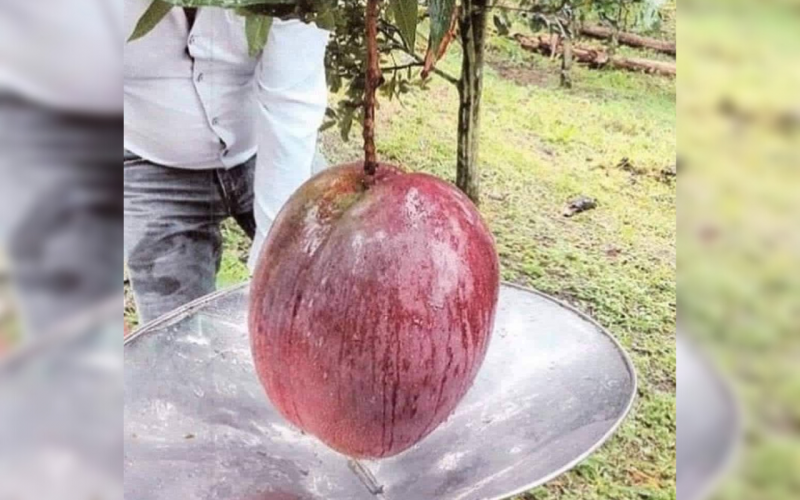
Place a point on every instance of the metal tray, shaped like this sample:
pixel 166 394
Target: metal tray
pixel 198 425
pixel 709 423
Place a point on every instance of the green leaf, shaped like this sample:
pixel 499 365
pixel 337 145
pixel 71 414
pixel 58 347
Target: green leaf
pixel 326 125
pixel 345 125
pixel 151 17
pixel 326 20
pixel 226 4
pixel 405 15
pixel 441 13
pixel 392 86
pixel 257 30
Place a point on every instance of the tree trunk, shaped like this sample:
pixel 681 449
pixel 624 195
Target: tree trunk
pixel 629 39
pixel 597 57
pixel 473 32
pixel 613 42
pixel 566 63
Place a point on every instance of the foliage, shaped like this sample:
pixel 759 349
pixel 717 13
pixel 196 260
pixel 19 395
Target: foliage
pixel 257 31
pixel 151 17
pixel 561 18
pixel 626 14
pixel 345 58
pixel 557 15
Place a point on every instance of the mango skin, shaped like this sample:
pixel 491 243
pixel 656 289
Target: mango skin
pixel 372 307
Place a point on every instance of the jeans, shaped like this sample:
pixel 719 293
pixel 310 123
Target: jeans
pixel 60 211
pixel 173 241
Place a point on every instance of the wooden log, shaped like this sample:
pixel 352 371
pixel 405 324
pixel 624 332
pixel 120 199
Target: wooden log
pixel 596 57
pixel 629 39
pixel 545 45
pixel 646 65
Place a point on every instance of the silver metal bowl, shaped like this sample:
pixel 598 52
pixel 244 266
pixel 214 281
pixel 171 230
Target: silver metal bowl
pixel 60 400
pixel 554 386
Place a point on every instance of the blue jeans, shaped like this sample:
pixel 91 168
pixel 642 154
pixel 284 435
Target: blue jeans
pixel 173 242
pixel 60 211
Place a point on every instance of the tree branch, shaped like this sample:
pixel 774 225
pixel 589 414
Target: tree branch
pixel 373 81
pixel 446 76
pixel 399 67
pixel 536 9
pixel 389 31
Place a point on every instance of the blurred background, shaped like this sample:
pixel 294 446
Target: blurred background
pixel 739 248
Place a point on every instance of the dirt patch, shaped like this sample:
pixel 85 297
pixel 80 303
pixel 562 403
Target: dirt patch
pixel 522 75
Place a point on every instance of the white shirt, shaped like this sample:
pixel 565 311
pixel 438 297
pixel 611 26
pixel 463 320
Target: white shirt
pixel 63 54
pixel 223 107
pixel 202 111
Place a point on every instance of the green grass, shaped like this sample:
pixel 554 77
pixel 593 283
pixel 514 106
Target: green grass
pixel 233 268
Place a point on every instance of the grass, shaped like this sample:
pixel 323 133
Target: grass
pixel 233 268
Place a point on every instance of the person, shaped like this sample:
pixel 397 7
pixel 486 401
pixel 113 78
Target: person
pixel 211 133
pixel 60 139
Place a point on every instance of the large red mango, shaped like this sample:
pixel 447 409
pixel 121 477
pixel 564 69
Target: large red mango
pixel 372 307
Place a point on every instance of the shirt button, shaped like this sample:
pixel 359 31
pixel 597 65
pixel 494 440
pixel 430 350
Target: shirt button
pixel 192 40
pixel 225 152
pixel 200 77
pixel 215 121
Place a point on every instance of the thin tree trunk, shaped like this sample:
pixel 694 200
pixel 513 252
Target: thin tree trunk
pixel 566 63
pixel 629 39
pixel 613 41
pixel 473 32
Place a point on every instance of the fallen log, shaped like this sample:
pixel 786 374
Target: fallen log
pixel 646 65
pixel 595 57
pixel 629 39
